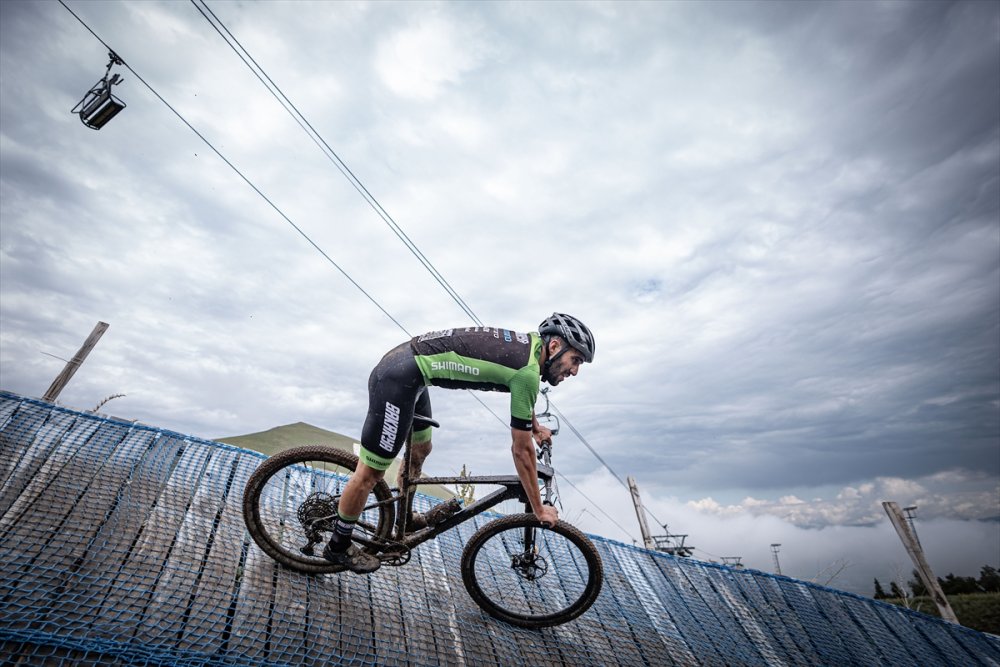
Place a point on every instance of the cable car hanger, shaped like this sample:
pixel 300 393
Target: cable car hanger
pixel 99 105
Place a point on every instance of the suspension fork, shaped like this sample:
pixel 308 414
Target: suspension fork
pixel 529 539
pixel 548 497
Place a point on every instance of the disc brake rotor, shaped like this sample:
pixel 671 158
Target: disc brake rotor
pixel 529 565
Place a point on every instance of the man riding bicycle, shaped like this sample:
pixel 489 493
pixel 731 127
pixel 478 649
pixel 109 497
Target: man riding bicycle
pixel 472 358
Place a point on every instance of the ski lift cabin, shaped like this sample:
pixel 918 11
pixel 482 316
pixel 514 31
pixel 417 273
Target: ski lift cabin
pixel 673 544
pixel 99 105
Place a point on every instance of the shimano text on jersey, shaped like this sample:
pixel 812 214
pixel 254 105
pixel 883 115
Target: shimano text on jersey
pixel 454 366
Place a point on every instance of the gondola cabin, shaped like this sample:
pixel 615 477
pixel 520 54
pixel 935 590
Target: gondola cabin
pixel 99 105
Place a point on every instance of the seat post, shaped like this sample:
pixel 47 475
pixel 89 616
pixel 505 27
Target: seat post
pixel 406 506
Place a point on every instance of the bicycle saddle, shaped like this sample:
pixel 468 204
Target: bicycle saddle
pixel 424 422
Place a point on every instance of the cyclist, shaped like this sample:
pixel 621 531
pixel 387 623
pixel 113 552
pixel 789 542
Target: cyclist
pixel 485 358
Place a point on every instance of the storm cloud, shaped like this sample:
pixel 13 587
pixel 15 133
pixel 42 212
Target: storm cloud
pixel 781 220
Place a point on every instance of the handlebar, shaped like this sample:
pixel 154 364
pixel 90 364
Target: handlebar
pixel 549 495
pixel 545 452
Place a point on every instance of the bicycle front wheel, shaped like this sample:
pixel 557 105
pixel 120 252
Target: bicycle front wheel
pixel 531 575
pixel 290 505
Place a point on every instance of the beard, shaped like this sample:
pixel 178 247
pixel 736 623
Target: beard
pixel 552 376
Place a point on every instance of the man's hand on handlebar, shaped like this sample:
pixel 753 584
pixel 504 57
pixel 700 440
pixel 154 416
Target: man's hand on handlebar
pixel 541 434
pixel 548 515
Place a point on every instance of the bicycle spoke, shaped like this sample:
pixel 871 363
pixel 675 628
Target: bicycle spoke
pixel 536 579
pixel 297 507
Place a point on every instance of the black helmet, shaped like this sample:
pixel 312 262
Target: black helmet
pixel 572 330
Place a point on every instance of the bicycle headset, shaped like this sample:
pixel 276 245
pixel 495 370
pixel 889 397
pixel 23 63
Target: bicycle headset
pixel 570 329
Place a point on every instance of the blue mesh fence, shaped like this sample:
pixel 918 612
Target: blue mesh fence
pixel 122 544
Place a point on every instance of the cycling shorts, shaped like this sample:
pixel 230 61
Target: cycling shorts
pixel 396 391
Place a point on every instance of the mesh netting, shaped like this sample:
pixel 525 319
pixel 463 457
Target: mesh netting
pixel 125 544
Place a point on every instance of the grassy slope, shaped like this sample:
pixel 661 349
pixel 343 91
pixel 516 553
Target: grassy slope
pixel 276 440
pixel 280 438
pixel 979 611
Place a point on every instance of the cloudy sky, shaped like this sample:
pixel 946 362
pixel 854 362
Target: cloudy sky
pixel 781 220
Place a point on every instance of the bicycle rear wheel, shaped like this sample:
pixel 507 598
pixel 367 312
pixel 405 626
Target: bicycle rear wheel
pixel 531 575
pixel 290 504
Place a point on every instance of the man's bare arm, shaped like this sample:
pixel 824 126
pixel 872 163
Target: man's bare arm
pixel 523 450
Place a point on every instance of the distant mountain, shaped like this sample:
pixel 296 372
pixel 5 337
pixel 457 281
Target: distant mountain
pixel 280 438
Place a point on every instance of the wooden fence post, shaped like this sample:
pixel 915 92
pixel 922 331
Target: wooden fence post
pixel 923 567
pixel 640 514
pixel 74 364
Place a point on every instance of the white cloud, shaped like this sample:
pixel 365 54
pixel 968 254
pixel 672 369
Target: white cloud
pixel 421 59
pixel 963 497
pixel 847 557
pixel 780 225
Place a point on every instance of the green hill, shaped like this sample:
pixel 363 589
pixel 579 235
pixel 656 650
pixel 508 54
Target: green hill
pixel 280 438
pixel 979 611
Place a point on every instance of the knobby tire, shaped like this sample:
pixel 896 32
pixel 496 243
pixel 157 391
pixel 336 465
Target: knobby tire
pixel 569 586
pixel 277 514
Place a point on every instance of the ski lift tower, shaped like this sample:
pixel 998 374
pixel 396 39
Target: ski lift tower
pixel 669 543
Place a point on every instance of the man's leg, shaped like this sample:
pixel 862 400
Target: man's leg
pixel 393 387
pixel 419 448
pixel 352 503
pixel 419 452
pixel 420 439
pixel 412 467
pixel 355 493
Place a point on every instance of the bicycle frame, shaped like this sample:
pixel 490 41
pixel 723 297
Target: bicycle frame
pixel 512 490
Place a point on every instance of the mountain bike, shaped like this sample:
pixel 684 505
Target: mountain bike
pixel 514 567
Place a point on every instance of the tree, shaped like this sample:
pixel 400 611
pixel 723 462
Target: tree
pixel 916 586
pixel 897 592
pixel 952 585
pixel 879 591
pixel 989 579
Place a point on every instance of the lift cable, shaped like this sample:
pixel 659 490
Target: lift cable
pixel 320 142
pixel 598 457
pixel 327 257
pixel 246 180
pixel 290 107
pixel 303 122
pixel 599 508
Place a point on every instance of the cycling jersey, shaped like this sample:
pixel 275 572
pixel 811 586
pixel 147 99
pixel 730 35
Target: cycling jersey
pixel 474 358
pixel 485 358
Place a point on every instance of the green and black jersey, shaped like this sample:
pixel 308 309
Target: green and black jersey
pixel 484 358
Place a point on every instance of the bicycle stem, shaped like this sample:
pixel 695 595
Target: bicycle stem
pixel 547 473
